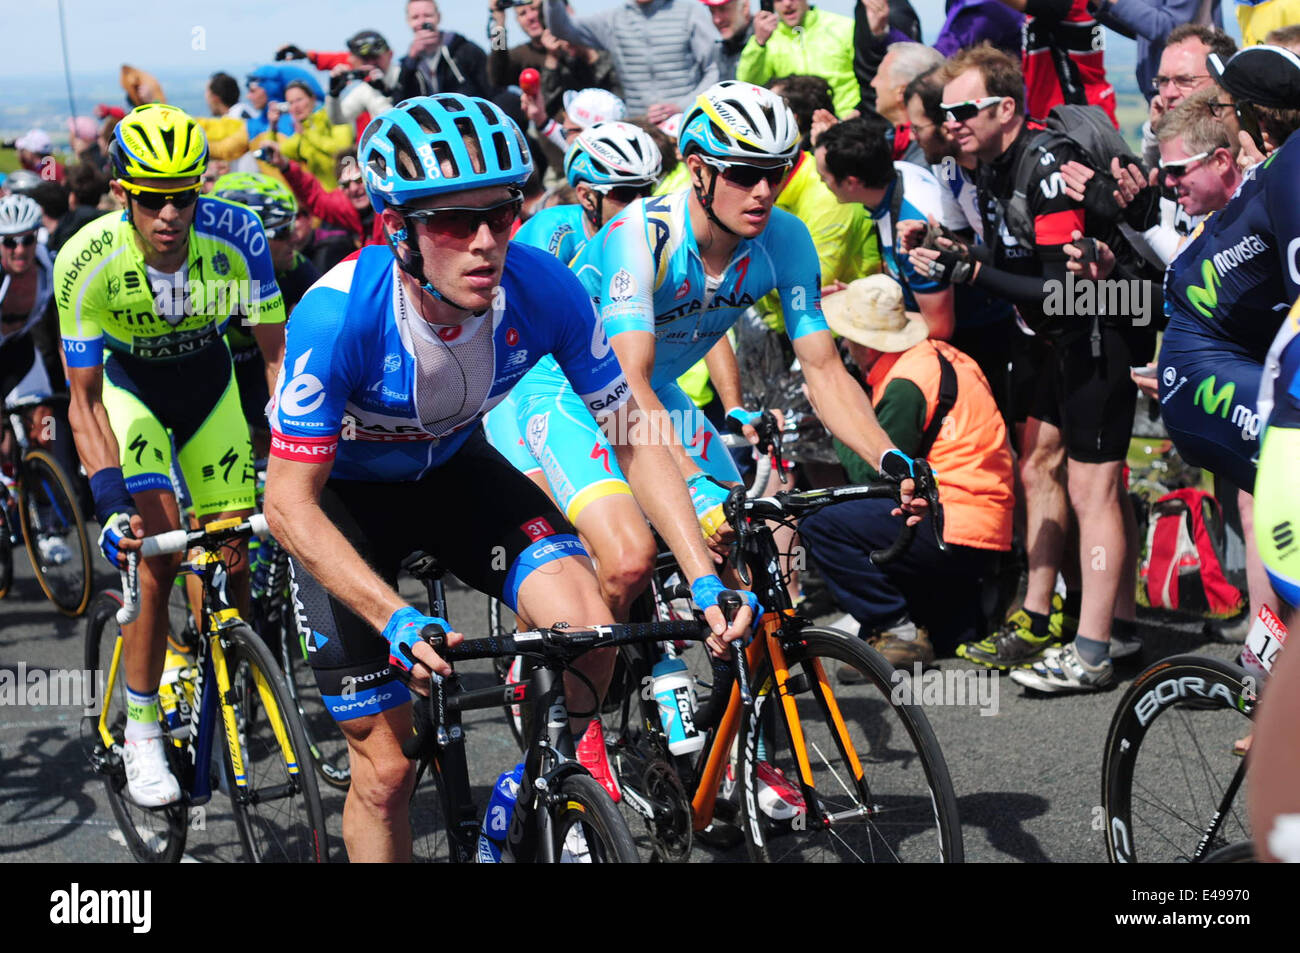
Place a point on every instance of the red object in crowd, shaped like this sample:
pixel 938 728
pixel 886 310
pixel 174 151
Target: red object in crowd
pixel 332 207
pixel 103 111
pixel 530 81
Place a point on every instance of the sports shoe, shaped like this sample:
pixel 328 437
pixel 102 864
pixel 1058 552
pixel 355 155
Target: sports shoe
pixel 777 797
pixel 1013 646
pixel 592 756
pixel 1063 671
pixel 903 653
pixel 54 550
pixel 1061 627
pixel 149 781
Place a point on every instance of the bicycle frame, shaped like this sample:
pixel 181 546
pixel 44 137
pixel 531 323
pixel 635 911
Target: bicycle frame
pixel 213 669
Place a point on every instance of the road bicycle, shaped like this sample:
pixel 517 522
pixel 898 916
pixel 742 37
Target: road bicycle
pixel 864 777
pixel 42 513
pixel 562 814
pixel 233 694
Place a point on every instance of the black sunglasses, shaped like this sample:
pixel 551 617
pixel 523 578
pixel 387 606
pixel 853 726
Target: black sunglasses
pixel 746 176
pixel 19 241
pixel 626 194
pixel 461 223
pixel 155 201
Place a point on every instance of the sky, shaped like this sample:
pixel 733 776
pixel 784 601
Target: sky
pixel 236 35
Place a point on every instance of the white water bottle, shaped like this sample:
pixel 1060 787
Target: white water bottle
pixel 675 693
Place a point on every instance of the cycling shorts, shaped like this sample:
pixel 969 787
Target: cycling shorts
pixel 1277 511
pixel 22 372
pixel 576 457
pixel 197 402
pixel 250 378
pixel 1207 400
pixel 482 520
pixel 1092 399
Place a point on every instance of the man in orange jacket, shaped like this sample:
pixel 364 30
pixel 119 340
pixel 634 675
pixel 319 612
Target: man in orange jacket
pixel 934 402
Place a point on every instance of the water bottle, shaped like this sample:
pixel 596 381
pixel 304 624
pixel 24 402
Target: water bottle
pixel 174 696
pixel 260 556
pixel 675 692
pixel 496 820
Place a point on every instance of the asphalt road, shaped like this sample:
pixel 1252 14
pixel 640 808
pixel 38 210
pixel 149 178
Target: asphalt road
pixel 1028 778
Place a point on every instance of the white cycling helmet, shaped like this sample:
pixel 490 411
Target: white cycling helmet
pixel 741 122
pixel 586 107
pixel 613 153
pixel 19 214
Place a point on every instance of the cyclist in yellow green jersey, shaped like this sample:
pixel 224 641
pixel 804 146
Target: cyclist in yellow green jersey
pixel 144 297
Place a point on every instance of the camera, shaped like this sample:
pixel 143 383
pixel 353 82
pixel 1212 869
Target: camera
pixel 262 155
pixel 426 25
pixel 1087 248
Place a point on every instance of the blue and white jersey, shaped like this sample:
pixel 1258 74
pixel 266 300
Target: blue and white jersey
pixel 922 199
pixel 349 388
pixel 559 230
pixel 644 272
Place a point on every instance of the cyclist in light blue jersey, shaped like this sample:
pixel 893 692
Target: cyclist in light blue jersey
pixel 610 165
pixel 670 276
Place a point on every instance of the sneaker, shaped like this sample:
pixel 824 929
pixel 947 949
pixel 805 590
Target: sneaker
pixel 1124 646
pixel 149 781
pixel 1013 646
pixel 54 550
pixel 777 797
pixel 1063 671
pixel 1061 627
pixel 592 756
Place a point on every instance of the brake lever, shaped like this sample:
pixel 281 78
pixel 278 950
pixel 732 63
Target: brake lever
pixel 730 604
pixel 927 486
pixel 734 509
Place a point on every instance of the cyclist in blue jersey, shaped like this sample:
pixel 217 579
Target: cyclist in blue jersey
pixel 610 165
pixel 391 361
pixel 670 276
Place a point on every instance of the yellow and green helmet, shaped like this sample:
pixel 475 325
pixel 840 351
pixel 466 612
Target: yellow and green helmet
pixel 270 198
pixel 157 141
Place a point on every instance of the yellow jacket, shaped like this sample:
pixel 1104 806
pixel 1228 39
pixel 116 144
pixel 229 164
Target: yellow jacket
pixel 227 137
pixel 317 145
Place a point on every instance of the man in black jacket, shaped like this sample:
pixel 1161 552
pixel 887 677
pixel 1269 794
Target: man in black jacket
pixel 439 61
pixel 876 24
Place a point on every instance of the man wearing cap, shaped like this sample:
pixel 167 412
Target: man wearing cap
pixel 35 152
pixel 933 402
pixel 735 24
pixel 352 99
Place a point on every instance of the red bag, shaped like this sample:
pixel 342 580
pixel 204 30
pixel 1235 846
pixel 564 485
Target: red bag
pixel 1183 567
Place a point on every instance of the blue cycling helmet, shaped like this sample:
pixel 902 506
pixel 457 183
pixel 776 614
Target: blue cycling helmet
pixel 403 151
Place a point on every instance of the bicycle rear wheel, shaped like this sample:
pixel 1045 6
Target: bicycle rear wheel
pixel 50 512
pixel 1170 777
pixel 152 836
pixel 900 805
pixel 278 810
pixel 587 826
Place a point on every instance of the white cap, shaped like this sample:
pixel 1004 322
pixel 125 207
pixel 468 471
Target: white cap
pixel 586 107
pixel 37 141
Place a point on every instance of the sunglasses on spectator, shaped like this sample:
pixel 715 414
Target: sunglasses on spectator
pixel 968 109
pixel 746 176
pixel 1179 167
pixel 625 194
pixel 1185 83
pixel 157 199
pixel 19 241
pixel 350 180
pixel 461 223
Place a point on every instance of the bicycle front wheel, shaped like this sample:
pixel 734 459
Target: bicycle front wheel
pixel 55 533
pixel 880 790
pixel 277 806
pixel 1172 786
pixel 587 826
pixel 152 836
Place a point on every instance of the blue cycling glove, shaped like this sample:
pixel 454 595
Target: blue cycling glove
pixel 706 589
pixel 707 498
pixel 117 527
pixel 897 466
pixel 403 632
pixel 739 416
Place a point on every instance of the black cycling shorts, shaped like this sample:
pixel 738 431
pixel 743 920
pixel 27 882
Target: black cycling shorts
pixel 1092 399
pixel 481 518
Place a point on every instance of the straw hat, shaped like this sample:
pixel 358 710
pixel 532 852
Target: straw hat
pixel 870 312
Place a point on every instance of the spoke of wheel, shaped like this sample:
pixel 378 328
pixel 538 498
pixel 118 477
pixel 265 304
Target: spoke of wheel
pixel 835 774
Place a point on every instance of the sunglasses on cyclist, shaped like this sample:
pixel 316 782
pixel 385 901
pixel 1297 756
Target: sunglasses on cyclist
pixel 156 199
pixel 624 194
pixel 19 241
pixel 1179 167
pixel 968 109
pixel 461 223
pixel 283 230
pixel 746 176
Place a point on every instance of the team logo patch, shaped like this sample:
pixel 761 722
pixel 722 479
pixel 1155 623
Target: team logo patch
pixel 512 337
pixel 449 333
pixel 114 286
pixel 683 291
pixel 1169 375
pixel 220 263
pixel 622 286
pixel 392 362
pixel 537 529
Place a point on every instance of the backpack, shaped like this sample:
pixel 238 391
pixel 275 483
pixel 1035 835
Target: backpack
pixel 1183 567
pixel 1089 130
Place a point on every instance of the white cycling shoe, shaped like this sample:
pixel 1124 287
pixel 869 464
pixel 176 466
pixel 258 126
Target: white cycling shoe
pixel 149 781
pixel 54 550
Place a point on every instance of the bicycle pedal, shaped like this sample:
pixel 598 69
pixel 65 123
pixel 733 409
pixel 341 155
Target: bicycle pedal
pixel 798 684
